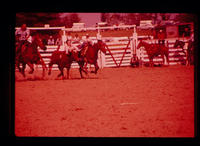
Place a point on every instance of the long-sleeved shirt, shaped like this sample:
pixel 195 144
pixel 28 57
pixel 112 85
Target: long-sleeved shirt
pixel 23 34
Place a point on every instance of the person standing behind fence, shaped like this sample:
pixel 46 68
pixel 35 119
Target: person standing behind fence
pixel 161 37
pixel 58 40
pixel 50 41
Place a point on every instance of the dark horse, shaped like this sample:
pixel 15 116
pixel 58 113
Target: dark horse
pixel 29 55
pixel 188 50
pixel 154 50
pixel 63 60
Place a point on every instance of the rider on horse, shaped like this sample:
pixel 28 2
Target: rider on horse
pixel 161 37
pixel 22 36
pixel 84 47
pixel 86 42
pixel 70 48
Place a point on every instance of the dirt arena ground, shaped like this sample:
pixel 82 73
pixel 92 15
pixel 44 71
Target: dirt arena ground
pixel 117 102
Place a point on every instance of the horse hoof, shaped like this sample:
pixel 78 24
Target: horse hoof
pixel 59 75
pixel 63 78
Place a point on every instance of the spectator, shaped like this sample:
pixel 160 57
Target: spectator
pixel 50 41
pixel 58 41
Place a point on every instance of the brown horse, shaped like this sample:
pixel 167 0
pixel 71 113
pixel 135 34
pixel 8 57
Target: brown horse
pixel 30 55
pixel 154 50
pixel 91 54
pixel 188 50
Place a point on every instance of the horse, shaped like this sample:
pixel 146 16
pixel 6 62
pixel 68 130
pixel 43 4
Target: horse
pixel 154 50
pixel 28 54
pixel 187 48
pixel 63 60
pixel 91 54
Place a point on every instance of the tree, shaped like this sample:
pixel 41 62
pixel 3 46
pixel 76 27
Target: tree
pixel 105 17
pixel 132 18
pixel 186 17
pixel 115 19
pixel 73 18
pixel 37 19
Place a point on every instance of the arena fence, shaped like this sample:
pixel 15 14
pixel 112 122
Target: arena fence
pixel 120 53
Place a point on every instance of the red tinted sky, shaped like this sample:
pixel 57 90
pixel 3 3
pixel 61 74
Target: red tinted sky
pixel 90 19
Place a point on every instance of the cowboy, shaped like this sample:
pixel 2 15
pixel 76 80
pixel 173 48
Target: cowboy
pixel 76 39
pixel 69 49
pixel 86 42
pixel 161 37
pixel 22 36
pixel 69 36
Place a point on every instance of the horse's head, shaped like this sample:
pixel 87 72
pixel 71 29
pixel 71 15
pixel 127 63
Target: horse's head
pixel 101 46
pixel 141 43
pixel 39 42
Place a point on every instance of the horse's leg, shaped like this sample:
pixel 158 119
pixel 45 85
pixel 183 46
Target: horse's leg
pixel 152 64
pixel 23 69
pixel 81 68
pixel 61 71
pixel 68 68
pixel 43 68
pixel 31 66
pixel 43 71
pixel 50 67
pixel 96 68
pixel 18 66
pixel 167 57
